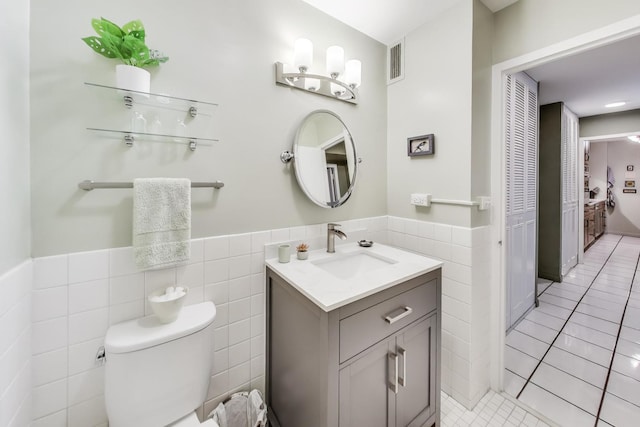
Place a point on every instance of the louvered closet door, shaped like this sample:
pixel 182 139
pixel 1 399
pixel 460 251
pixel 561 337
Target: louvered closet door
pixel 569 190
pixel 521 136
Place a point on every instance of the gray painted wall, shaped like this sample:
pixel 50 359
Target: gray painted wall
pixel 14 127
pixel 481 113
pixel 528 25
pixel 446 91
pixel 598 168
pixel 222 52
pixel 624 219
pixel 610 124
pixel 434 97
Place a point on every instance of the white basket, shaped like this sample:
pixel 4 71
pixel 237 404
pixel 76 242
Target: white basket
pixel 166 311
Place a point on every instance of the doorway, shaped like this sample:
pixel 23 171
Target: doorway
pixel 585 42
pixel 613 168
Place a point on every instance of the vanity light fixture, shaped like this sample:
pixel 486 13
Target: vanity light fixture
pixel 342 82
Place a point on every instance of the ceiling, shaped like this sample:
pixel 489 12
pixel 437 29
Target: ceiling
pixel 389 20
pixel 585 82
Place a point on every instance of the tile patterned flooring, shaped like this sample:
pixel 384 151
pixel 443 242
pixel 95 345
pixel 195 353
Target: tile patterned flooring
pixel 575 359
pixel 493 410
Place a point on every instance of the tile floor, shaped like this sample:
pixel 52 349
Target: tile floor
pixel 493 410
pixel 575 359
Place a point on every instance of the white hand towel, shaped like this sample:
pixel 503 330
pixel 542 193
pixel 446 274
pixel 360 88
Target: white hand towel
pixel 161 221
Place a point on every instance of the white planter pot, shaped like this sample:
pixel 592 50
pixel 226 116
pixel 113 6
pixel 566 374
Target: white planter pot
pixel 133 78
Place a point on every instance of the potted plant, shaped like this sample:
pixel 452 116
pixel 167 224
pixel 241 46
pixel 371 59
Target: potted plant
pixel 302 251
pixel 128 45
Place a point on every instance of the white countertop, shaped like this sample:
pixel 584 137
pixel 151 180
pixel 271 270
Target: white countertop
pixel 593 202
pixel 330 292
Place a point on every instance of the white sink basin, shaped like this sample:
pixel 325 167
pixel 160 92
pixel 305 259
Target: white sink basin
pixel 351 273
pixel 348 265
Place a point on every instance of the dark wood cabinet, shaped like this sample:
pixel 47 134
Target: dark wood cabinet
pixel 558 207
pixel 595 219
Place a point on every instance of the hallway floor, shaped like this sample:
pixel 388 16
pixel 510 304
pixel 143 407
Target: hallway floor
pixel 576 358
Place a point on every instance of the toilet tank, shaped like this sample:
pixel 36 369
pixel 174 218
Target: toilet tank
pixel 156 373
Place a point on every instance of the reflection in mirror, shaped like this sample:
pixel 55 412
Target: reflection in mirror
pixel 325 159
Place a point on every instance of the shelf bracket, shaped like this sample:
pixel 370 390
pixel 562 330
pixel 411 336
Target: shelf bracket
pixel 128 139
pixel 193 111
pixel 128 101
pixel 193 144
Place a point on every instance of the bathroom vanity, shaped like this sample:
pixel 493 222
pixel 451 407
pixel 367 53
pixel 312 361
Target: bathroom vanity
pixel 353 339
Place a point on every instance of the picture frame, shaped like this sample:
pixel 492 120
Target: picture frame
pixel 630 183
pixel 629 190
pixel 422 145
pixel 629 168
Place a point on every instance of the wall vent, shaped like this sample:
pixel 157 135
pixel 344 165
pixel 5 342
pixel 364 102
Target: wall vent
pixel 395 62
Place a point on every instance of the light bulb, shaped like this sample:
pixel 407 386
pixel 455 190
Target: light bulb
pixel 335 61
pixel 337 90
pixel 311 84
pixel 303 54
pixel 353 73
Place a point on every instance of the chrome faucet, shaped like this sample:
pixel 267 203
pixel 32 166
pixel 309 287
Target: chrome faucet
pixel 331 233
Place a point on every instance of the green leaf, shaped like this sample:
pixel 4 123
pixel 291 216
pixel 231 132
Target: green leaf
pixel 135 49
pixel 104 26
pixel 138 34
pixel 135 28
pixel 114 44
pixel 126 43
pixel 97 45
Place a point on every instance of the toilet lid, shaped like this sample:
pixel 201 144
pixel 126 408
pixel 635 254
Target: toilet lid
pixel 146 332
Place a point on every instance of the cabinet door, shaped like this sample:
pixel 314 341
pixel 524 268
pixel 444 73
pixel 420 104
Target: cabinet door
pixel 569 143
pixel 365 388
pixel 417 353
pixel 521 164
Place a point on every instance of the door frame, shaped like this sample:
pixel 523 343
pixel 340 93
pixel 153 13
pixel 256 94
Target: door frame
pixel 599 37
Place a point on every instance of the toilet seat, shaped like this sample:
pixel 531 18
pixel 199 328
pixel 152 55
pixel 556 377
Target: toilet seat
pixel 191 420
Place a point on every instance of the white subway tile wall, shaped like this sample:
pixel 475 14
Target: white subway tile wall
pixel 465 300
pixel 77 296
pixel 15 346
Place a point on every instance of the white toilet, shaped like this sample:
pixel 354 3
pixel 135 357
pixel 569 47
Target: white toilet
pixel 157 374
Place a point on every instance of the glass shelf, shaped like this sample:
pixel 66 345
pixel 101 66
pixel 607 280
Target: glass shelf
pixel 159 100
pixel 130 136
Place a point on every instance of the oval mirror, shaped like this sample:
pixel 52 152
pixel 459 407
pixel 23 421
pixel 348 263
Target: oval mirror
pixel 325 159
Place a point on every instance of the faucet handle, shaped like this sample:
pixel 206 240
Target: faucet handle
pixel 332 225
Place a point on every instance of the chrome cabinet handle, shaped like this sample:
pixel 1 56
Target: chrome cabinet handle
pixel 403 380
pixel 407 311
pixel 393 382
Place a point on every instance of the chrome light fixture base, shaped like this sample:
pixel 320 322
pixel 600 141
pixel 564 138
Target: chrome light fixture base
pixel 345 93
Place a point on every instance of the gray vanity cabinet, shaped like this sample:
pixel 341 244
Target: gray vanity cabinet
pixel 373 362
pixel 371 394
pixel 364 398
pixel 417 350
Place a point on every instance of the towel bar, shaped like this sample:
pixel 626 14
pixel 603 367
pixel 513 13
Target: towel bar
pixel 89 185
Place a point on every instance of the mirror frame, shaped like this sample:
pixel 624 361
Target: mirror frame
pixel 349 191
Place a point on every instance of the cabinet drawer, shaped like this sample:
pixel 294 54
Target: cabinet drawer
pixel 367 327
